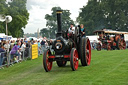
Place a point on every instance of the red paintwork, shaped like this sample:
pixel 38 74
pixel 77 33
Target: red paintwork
pixel 88 54
pixel 51 56
pixel 65 56
pixel 75 59
pixel 114 44
pixel 49 64
pixel 123 44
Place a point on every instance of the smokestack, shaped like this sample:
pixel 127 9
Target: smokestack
pixel 59 12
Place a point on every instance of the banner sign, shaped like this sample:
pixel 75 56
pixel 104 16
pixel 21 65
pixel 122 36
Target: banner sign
pixel 34 51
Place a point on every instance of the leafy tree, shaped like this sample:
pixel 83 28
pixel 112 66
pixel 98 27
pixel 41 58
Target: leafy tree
pixel 21 33
pixel 45 32
pixel 99 14
pixel 91 16
pixel 117 14
pixel 16 9
pixel 52 21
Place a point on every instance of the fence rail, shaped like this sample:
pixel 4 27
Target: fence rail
pixel 6 57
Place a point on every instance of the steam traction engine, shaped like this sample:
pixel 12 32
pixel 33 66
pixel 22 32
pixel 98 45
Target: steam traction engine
pixel 111 40
pixel 67 49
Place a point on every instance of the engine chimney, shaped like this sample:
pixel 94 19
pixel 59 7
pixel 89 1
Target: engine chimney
pixel 59 33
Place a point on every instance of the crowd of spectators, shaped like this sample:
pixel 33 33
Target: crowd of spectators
pixel 19 49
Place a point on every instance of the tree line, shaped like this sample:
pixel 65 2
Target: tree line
pixel 96 15
pixel 99 14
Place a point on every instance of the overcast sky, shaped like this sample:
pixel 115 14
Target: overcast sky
pixel 39 8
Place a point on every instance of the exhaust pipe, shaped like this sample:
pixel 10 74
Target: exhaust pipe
pixel 59 32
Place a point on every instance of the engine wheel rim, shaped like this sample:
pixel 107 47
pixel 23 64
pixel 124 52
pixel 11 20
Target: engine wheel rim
pixel 122 44
pixel 119 44
pixel 48 64
pixel 88 52
pixel 75 59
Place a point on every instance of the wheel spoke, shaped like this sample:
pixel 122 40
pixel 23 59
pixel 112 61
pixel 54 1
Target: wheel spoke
pixel 87 57
pixel 47 63
pixel 75 59
pixel 87 51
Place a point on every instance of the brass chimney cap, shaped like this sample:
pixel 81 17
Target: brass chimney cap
pixel 59 11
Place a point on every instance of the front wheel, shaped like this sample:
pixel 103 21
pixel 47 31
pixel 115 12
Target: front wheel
pixel 74 59
pixel 46 63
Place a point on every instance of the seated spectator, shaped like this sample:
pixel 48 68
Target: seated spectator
pixel 15 51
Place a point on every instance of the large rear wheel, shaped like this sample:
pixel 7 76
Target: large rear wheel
pixel 74 59
pixel 46 63
pixel 85 51
pixel 121 44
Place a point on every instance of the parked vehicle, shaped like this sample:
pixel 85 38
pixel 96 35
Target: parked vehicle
pixel 110 40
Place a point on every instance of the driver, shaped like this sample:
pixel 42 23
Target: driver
pixel 71 29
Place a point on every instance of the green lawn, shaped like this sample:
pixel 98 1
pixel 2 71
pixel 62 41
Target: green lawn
pixel 107 68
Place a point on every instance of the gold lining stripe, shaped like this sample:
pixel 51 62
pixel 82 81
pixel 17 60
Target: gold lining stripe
pixel 58 40
pixel 58 12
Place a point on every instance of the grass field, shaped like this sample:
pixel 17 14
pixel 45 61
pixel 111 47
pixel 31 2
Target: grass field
pixel 107 68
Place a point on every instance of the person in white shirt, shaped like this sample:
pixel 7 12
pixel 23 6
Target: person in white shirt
pixel 23 47
pixel 22 50
pixel 7 46
pixel 71 29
